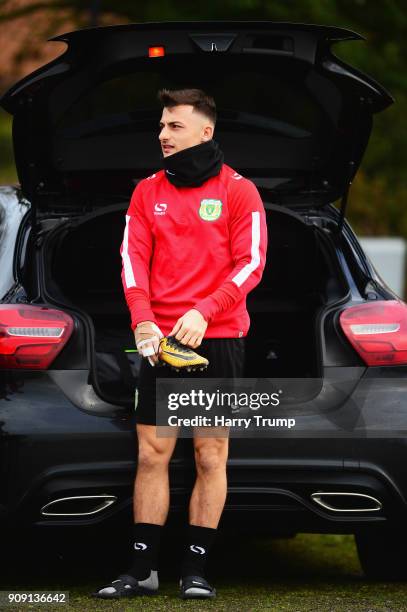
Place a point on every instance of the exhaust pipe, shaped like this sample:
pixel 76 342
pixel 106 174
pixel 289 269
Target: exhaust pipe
pixel 346 501
pixel 79 505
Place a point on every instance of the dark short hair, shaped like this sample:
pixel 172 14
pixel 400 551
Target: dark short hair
pixel 196 97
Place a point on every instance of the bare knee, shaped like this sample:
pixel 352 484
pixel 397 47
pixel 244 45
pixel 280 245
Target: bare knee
pixel 153 452
pixel 211 457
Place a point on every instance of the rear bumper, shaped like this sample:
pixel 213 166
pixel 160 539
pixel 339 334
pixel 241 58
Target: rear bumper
pixel 318 501
pixel 284 503
pixel 51 450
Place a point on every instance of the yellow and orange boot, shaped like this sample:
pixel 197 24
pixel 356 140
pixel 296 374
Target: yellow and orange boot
pixel 180 357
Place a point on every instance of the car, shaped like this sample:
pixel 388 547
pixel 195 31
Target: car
pixel 296 120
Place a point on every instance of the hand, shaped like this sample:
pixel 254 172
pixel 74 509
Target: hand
pixel 147 336
pixel 190 328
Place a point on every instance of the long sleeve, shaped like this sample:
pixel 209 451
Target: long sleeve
pixel 136 251
pixel 248 243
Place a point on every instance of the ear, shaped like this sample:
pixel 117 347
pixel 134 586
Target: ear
pixel 207 133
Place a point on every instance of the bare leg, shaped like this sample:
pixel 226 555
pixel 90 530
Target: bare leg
pixel 209 493
pixel 151 486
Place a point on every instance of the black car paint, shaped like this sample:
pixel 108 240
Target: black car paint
pixel 59 438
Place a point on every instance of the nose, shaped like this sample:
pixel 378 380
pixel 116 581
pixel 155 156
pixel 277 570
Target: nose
pixel 163 134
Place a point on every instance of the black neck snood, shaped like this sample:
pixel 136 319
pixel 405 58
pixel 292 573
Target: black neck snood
pixel 193 166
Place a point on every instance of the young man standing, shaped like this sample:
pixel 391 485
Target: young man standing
pixel 193 247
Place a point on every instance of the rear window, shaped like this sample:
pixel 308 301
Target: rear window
pixel 249 98
pixel 269 116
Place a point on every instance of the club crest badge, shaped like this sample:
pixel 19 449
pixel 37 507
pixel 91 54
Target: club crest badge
pixel 210 210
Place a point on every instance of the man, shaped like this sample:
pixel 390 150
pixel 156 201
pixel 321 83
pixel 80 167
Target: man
pixel 193 247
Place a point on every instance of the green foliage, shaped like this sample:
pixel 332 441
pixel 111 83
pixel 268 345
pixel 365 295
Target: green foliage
pixel 7 169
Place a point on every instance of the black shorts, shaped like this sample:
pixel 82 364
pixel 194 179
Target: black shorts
pixel 226 360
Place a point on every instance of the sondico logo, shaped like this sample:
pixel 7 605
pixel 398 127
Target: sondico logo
pixel 140 546
pixel 197 549
pixel 160 208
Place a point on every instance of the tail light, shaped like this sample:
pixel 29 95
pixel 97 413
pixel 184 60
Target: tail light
pixel 377 331
pixel 32 336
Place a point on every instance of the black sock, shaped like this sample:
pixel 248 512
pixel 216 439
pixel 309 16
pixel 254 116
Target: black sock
pixel 198 543
pixel 145 544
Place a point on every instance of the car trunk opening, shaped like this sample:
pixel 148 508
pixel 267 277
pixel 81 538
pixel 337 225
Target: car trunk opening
pixel 290 113
pixel 83 267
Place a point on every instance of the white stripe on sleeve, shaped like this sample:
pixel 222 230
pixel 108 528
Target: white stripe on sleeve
pixel 128 270
pixel 245 272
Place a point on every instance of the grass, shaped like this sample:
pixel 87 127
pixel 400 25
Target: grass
pixel 307 573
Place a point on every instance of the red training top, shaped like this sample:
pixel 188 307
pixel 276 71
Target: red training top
pixel 194 247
